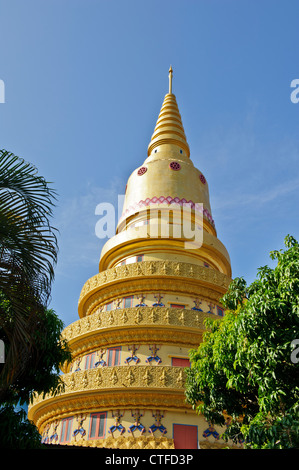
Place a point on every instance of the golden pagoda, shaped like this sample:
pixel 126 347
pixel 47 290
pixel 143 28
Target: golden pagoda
pixel 160 276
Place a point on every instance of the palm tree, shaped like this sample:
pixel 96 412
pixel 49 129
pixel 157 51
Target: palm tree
pixel 28 253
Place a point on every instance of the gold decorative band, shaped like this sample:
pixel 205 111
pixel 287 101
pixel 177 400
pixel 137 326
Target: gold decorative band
pixel 183 326
pixel 139 442
pixel 150 271
pixel 66 405
pixel 121 377
pixel 112 388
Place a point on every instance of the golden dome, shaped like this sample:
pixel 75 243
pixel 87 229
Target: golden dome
pixel 159 191
pixel 168 175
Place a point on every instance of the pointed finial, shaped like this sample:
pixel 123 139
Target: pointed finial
pixel 170 80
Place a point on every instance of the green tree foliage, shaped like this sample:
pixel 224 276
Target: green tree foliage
pixel 28 253
pixel 246 367
pixel 16 432
pixel 48 351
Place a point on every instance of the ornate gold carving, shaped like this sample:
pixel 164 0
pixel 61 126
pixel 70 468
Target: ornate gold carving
pixel 124 317
pixel 130 377
pixel 163 378
pixel 217 445
pixel 148 269
pixel 143 316
pixel 180 379
pixel 153 316
pixel 99 380
pixel 128 442
pixel 85 380
pixel 156 324
pixel 147 377
pixel 113 377
pixel 72 382
pixel 108 378
pixel 169 285
pixel 138 316
pixel 72 402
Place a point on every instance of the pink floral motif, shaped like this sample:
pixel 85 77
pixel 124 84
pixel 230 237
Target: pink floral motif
pixel 169 200
pixel 175 166
pixel 142 170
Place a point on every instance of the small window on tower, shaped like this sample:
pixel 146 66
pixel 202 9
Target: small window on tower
pixel 113 358
pixel 128 301
pixel 180 362
pixel 206 265
pixel 220 311
pixel 66 430
pixel 90 360
pixel 97 425
pixel 185 436
pixel 139 258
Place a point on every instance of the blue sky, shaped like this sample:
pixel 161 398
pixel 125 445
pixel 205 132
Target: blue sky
pixel 84 84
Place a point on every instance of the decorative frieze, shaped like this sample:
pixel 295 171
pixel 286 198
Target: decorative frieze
pixel 151 269
pixel 72 401
pixel 141 325
pixel 132 316
pixel 128 442
pixel 121 377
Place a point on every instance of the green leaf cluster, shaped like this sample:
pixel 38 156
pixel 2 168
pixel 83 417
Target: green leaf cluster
pixel 14 423
pixel 244 367
pixel 30 330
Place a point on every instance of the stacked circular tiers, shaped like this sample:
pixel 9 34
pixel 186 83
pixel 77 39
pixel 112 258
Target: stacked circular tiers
pixel 159 277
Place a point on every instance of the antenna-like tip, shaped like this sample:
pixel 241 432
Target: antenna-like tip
pixel 170 79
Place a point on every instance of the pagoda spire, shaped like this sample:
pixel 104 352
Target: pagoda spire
pixel 169 128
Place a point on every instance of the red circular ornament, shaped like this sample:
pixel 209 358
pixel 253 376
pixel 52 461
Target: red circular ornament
pixel 142 170
pixel 175 166
pixel 202 179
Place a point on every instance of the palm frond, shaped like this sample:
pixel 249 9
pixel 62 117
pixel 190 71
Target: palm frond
pixel 28 253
